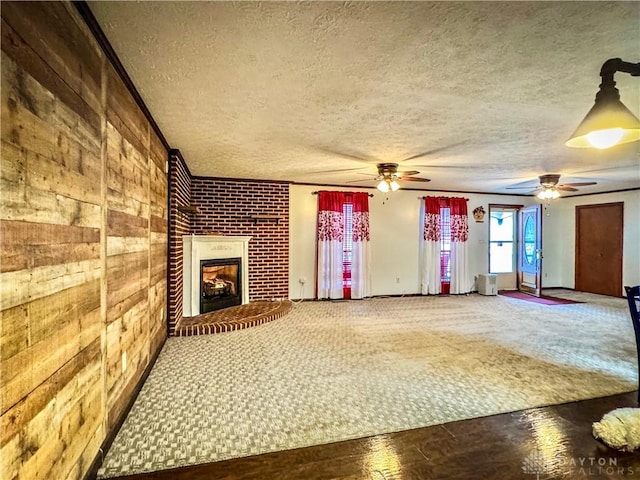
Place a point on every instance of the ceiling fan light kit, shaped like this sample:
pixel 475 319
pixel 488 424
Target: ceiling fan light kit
pixel 609 122
pixel 388 185
pixel 548 193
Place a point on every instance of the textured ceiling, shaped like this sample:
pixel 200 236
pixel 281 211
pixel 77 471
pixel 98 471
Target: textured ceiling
pixel 309 91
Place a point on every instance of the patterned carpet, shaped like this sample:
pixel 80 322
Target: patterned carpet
pixel 333 371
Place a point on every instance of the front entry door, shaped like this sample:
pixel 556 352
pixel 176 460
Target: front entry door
pixel 530 250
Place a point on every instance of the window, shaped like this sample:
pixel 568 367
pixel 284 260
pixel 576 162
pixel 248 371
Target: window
pixel 502 239
pixel 343 269
pixel 347 248
pixel 443 246
pixel 445 249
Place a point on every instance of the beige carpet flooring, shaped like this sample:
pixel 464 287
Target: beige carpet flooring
pixel 331 371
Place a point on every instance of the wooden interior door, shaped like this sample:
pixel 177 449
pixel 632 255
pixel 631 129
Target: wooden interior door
pixel 599 248
pixel 530 250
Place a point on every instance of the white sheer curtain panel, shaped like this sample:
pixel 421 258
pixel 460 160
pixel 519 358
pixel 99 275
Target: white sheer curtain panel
pixel 460 282
pixel 430 255
pixel 361 264
pixel 330 236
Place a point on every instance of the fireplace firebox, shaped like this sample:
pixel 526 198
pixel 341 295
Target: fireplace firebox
pixel 220 283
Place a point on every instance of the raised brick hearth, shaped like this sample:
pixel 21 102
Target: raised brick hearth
pixel 233 318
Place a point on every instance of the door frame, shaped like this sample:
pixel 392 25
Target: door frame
pixel 536 289
pixel 516 208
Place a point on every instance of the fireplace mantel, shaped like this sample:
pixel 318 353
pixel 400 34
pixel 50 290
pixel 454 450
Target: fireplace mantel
pixel 209 247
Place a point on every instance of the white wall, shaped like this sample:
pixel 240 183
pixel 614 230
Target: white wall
pixel 394 225
pixel 559 238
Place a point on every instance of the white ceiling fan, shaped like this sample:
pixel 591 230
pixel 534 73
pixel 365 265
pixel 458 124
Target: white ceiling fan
pixel 549 187
pixel 389 176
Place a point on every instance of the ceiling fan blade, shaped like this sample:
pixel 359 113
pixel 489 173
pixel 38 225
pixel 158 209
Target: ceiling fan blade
pixel 617 167
pixel 353 155
pixel 530 187
pixel 409 172
pixel 414 179
pixel 363 180
pixel 341 170
pixel 564 188
pixel 431 152
pixel 577 184
pixel 466 167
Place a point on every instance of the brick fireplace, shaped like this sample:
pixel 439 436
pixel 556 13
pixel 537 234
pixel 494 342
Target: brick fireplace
pixel 225 206
pixel 215 273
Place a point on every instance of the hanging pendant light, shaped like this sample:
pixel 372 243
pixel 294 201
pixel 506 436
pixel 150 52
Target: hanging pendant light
pixel 609 122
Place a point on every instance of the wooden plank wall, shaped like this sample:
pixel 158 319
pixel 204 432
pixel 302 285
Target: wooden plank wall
pixel 83 219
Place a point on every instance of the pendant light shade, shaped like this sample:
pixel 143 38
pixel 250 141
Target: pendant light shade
pixel 609 122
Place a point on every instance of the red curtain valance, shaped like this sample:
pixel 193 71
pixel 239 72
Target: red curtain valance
pixel 458 213
pixel 330 201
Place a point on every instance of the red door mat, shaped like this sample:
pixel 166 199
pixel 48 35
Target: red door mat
pixel 543 299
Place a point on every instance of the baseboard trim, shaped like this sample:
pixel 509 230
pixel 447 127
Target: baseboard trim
pixel 400 295
pixel 92 473
pixel 390 295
